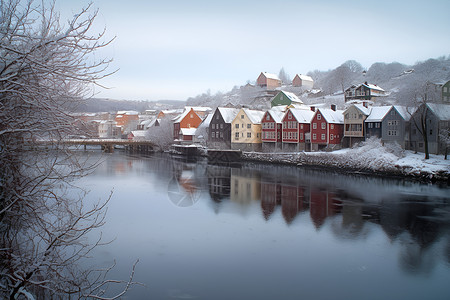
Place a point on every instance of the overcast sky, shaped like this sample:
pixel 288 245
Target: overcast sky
pixel 175 49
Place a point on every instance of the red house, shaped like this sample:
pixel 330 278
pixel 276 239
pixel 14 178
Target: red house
pixel 296 129
pixel 271 129
pixel 327 129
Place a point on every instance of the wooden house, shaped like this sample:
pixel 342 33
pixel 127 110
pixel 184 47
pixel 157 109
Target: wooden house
pixel 188 119
pixel 271 130
pixel 127 121
pixel 390 124
pixel 296 129
pixel 354 126
pixel 268 81
pixel 365 91
pixel 220 127
pixel 246 130
pixel 436 122
pixel 285 98
pixel 327 129
pixel 303 81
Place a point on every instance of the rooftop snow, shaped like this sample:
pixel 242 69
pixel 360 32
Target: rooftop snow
pixel 378 113
pixel 277 115
pixel 255 116
pixel 188 131
pixel 293 97
pixel 363 109
pixel 304 77
pixel 302 115
pixel 442 111
pixel 332 116
pixel 228 113
pixel 271 76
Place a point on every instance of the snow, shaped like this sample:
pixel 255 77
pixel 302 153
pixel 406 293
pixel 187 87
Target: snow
pixel 332 116
pixel 255 116
pixel 442 111
pixel 302 115
pixel 378 113
pixel 127 112
pixel 277 115
pixel 228 113
pixel 304 77
pixel 188 131
pixel 293 97
pixel 365 110
pixel 270 75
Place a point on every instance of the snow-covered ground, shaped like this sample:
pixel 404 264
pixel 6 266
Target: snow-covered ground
pixel 369 156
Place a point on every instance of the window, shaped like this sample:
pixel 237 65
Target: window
pixel 346 116
pixel 289 116
pixel 267 117
pixel 323 137
pixel 242 116
pixel 369 125
pixel 301 135
pixel 249 125
pixel 431 131
pixel 221 125
pixel 377 125
pixel 331 137
pixel 314 136
pixel 213 134
pixel 249 134
pixel 319 117
pixel 301 126
pixel 213 126
pixel 360 116
pixel 323 125
pixel 314 125
pixel 221 135
pixel 236 135
pixel 217 117
pixel 237 126
pixel 192 116
pixel 332 126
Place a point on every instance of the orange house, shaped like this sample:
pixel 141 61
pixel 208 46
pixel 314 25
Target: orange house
pixel 127 120
pixel 188 119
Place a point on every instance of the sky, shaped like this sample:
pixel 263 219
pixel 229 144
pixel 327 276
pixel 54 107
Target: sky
pixel 176 49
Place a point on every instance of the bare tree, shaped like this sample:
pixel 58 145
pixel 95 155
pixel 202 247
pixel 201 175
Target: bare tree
pixel 46 68
pixel 285 78
pixel 444 136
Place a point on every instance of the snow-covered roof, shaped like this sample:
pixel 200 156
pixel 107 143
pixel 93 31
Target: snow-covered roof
pixel 304 77
pixel 270 75
pixel 302 115
pixel 293 97
pixel 378 113
pixel 373 87
pixel 255 116
pixel 363 109
pixel 206 121
pixel 199 108
pixel 442 111
pixel 127 112
pixel 405 112
pixel 228 113
pixel 139 133
pixel 276 114
pixel 332 116
pixel 188 131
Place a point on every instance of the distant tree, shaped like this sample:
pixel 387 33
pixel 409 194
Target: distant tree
pixel 444 136
pixel 161 135
pixel 285 78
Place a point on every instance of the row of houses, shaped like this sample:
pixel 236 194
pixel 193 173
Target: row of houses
pixel 271 81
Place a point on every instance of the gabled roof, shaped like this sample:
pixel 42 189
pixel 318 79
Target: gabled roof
pixel 373 87
pixel 332 116
pixel 206 121
pixel 276 114
pixel 188 131
pixel 291 96
pixel 378 113
pixel 255 116
pixel 302 115
pixel 270 75
pixel 228 113
pixel 304 77
pixel 442 111
pixel 405 112
pixel 361 108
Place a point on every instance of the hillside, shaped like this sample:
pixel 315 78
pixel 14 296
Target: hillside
pixel 402 82
pixel 108 105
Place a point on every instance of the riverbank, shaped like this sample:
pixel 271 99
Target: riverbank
pixel 370 158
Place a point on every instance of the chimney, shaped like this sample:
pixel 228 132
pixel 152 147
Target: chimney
pixel 333 107
pixel 313 108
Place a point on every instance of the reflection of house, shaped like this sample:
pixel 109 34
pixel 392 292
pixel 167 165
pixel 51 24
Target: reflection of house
pixel 219 179
pixel 292 201
pixel 354 129
pixel 296 129
pixel 245 186
pixel 365 91
pixel 246 130
pixel 270 196
pixel 436 121
pixel 327 129
pixel 285 98
pixel 269 81
pixel 220 127
pixel 271 129
pixel 303 81
pixel 390 124
pixel 322 205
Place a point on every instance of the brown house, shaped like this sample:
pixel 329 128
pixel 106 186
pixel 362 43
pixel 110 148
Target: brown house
pixel 188 119
pixel 269 81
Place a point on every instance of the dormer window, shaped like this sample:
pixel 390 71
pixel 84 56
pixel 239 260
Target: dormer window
pixel 319 117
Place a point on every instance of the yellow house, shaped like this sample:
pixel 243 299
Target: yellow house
pixel 246 130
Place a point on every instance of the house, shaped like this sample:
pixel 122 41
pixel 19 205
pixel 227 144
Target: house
pixel 296 129
pixel 365 91
pixel 137 135
pixel 109 129
pixel 127 120
pixel 285 98
pixel 271 129
pixel 390 124
pixel 303 81
pixel 186 135
pixel 202 133
pixel 169 113
pixel 220 127
pixel 446 92
pixel 327 129
pixel 435 119
pixel 354 126
pixel 268 81
pixel 188 119
pixel 246 130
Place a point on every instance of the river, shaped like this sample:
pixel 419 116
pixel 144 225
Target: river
pixel 260 231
